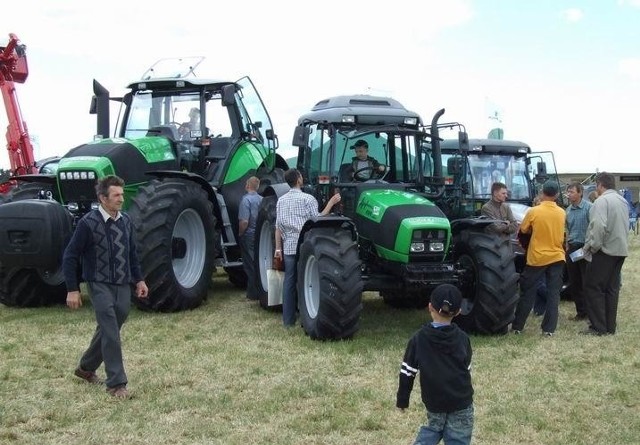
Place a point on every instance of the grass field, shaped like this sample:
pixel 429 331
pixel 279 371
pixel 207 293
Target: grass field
pixel 228 373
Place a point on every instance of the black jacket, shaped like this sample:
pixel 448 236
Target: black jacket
pixel 443 357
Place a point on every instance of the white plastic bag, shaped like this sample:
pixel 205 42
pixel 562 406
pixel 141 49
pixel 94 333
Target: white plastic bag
pixel 275 280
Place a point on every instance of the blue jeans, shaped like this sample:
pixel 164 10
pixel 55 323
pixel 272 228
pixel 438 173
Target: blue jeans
pixel 455 428
pixel 290 294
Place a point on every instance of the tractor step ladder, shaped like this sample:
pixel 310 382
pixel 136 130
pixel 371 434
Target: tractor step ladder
pixel 228 233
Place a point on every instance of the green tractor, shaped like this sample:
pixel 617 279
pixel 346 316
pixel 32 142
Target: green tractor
pixel 471 168
pixel 185 147
pixel 390 235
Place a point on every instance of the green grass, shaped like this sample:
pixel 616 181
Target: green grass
pixel 228 373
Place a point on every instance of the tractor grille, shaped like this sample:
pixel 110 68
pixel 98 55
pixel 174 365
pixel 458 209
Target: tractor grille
pixel 77 186
pixel 428 245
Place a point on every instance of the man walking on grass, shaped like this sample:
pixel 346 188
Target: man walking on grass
pixel 103 243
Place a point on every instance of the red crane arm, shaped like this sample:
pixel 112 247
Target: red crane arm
pixel 13 68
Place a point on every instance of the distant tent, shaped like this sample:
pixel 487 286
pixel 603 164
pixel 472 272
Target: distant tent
pixel 496 133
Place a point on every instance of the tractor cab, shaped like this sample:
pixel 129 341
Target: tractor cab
pixel 470 172
pixel 355 144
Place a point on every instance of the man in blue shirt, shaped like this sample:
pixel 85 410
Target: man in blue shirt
pixel 576 229
pixel 247 217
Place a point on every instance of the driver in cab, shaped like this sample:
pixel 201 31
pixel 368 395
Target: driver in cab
pixel 363 166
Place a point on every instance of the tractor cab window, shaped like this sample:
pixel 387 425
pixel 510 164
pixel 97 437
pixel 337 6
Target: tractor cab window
pixel 217 119
pixel 317 159
pixel 177 117
pixel 487 169
pixel 255 119
pixel 361 154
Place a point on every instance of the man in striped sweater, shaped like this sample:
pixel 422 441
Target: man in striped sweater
pixel 103 243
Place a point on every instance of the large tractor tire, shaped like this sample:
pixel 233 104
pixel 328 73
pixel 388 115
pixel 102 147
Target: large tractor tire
pixel 329 284
pixel 264 246
pixel 32 190
pixel 175 236
pixel 490 285
pixel 31 288
pixel 21 287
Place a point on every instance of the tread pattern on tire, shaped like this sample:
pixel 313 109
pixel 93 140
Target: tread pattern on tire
pixel 495 294
pixel 154 211
pixel 339 270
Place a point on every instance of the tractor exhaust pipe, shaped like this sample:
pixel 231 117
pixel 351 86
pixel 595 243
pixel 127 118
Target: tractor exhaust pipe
pixel 435 145
pixel 100 107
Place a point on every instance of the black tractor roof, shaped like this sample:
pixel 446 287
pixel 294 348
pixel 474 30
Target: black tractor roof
pixel 373 110
pixel 488 146
pixel 172 83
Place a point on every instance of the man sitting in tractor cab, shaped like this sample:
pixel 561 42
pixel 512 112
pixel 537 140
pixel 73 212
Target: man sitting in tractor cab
pixel 364 167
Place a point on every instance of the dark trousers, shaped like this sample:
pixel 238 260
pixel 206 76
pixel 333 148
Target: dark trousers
pixel 111 304
pixel 290 293
pixel 531 275
pixel 577 272
pixel 602 286
pixel 247 252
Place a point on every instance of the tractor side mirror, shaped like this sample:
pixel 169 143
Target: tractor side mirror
pixel 541 175
pixel 228 95
pixel 270 134
pixel 463 140
pixel 300 136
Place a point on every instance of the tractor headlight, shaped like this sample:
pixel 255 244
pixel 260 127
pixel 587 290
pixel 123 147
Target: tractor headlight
pixel 417 247
pixel 348 119
pixel 73 206
pixel 436 247
pixel 411 121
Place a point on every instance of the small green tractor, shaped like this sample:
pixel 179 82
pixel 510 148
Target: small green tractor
pixel 400 232
pixel 185 147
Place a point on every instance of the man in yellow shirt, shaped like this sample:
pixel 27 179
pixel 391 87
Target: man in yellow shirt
pixel 545 257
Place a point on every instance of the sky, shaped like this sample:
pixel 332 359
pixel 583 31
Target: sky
pixel 562 76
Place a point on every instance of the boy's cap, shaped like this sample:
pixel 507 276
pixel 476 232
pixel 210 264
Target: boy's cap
pixel 446 299
pixel 550 188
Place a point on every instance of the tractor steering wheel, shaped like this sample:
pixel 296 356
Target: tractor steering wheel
pixel 373 172
pixel 356 174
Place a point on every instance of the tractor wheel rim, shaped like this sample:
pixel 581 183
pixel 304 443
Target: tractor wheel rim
pixel 190 228
pixel 312 287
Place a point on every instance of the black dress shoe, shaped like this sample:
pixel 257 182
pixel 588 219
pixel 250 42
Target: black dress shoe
pixel 591 331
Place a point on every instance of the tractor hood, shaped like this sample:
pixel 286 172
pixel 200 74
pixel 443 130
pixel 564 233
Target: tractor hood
pixel 395 220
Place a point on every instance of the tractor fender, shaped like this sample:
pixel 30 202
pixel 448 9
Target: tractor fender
pixel 45 179
pixel 476 224
pixel 276 190
pixel 212 193
pixel 334 221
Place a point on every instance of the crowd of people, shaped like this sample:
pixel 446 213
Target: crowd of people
pixel 588 237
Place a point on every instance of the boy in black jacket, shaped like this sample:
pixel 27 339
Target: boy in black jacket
pixel 442 353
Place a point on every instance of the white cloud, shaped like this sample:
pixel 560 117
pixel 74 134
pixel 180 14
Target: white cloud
pixel 572 15
pixel 632 3
pixel 294 55
pixel 630 67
